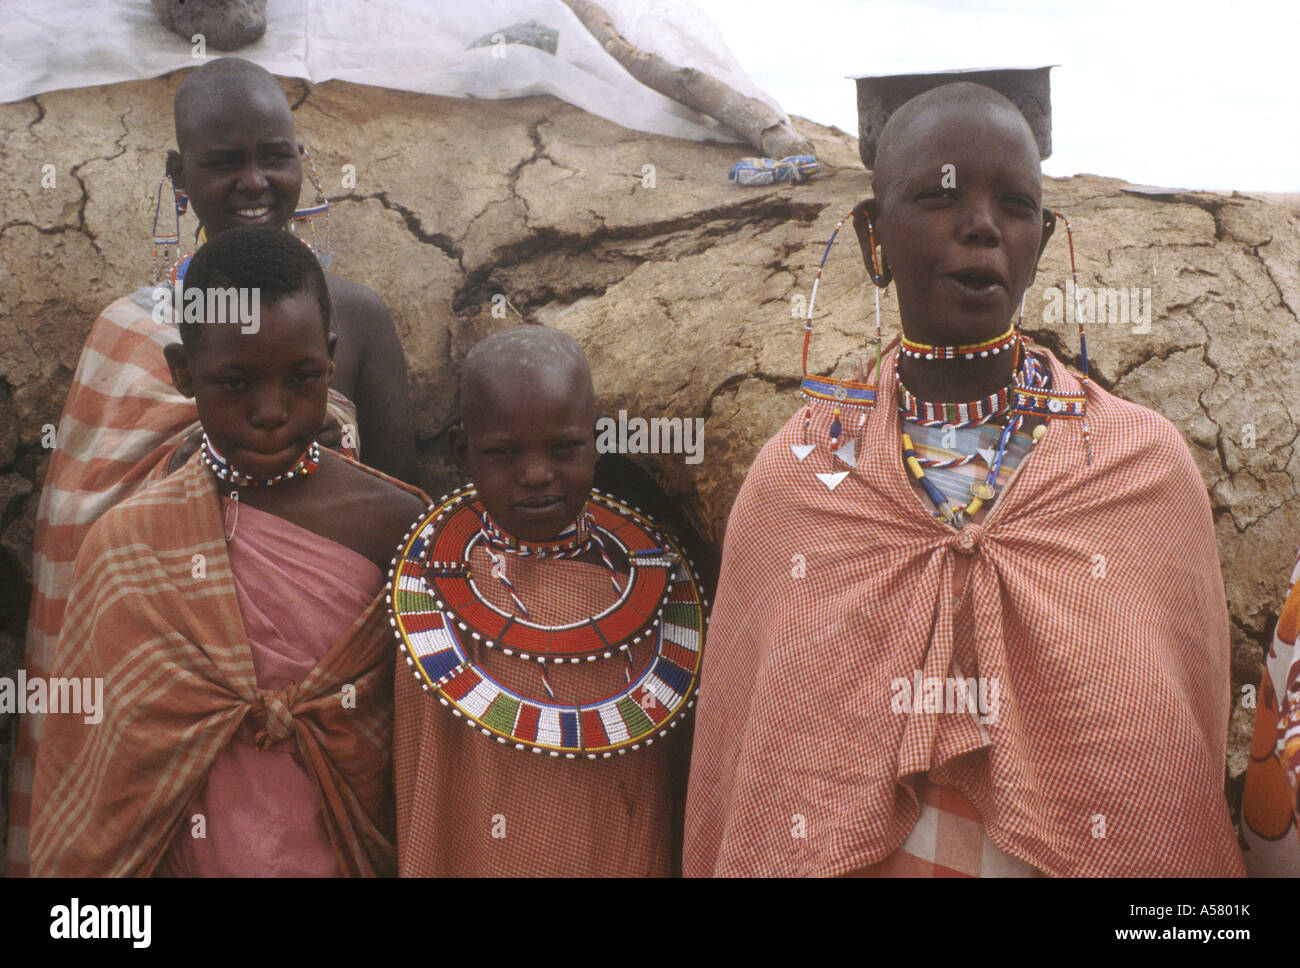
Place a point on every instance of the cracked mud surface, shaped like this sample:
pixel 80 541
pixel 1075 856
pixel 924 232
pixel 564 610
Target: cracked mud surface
pixel 683 288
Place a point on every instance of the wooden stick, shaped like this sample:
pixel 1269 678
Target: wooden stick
pixel 753 120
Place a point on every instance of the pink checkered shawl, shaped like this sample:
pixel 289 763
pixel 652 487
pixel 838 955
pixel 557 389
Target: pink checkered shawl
pixel 1091 591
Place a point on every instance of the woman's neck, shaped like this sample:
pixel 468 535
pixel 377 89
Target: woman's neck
pixel 956 381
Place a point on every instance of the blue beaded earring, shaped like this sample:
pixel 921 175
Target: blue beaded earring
pixel 163 240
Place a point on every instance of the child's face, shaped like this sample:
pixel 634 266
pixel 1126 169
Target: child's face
pixel 240 164
pixel 962 253
pixel 530 449
pixel 261 396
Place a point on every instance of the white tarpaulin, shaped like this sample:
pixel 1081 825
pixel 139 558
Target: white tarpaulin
pixel 401 44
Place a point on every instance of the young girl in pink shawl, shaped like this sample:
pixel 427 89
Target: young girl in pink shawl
pixel 234 612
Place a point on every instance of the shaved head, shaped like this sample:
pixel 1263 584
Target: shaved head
pixel 925 114
pixel 957 213
pixel 205 92
pixel 528 433
pixel 523 357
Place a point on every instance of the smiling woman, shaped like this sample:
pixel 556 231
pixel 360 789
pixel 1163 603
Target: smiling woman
pixel 238 160
pixel 240 165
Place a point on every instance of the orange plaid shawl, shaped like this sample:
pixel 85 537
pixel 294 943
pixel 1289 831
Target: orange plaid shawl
pixel 1091 592
pixel 121 424
pixel 178 681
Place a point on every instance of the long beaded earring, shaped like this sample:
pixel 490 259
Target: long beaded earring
pixel 806 448
pixel 163 240
pixel 880 277
pixel 852 395
pixel 1083 339
pixel 1049 224
pixel 313 212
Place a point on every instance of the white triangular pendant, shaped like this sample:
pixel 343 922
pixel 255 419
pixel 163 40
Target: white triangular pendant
pixel 849 453
pixel 832 481
pixel 989 455
pixel 802 450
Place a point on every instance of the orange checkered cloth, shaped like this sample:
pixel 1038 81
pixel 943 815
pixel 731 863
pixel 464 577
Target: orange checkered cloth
pixel 468 806
pixel 1270 845
pixel 121 424
pixel 179 681
pixel 947 841
pixel 1091 593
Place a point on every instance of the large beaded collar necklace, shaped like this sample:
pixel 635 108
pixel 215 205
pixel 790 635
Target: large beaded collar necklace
pixel 437 610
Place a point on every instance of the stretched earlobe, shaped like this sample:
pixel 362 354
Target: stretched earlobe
pixel 1049 226
pixel 863 225
pixel 172 165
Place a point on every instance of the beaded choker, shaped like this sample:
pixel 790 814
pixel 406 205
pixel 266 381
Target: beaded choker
pixel 439 616
pixel 570 543
pixel 308 463
pixel 953 414
pixel 990 347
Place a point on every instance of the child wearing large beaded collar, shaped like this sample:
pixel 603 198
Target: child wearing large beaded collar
pixel 553 620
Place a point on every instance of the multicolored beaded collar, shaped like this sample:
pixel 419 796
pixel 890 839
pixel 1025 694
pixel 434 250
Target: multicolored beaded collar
pixel 945 414
pixel 308 463
pixel 435 609
pixel 990 347
pixel 1029 377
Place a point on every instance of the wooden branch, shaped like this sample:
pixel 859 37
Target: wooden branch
pixel 753 120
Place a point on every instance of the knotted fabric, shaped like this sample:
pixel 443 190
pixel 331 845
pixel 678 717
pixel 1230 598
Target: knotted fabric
pixel 273 712
pixel 168 639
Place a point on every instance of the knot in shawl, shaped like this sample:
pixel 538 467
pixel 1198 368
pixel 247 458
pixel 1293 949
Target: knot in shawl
pixel 179 681
pixel 273 712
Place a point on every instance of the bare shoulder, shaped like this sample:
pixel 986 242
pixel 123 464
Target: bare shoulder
pixel 358 307
pixel 397 503
pixel 363 511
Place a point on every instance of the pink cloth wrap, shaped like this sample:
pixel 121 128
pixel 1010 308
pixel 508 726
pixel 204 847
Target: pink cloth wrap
pixel 1091 594
pixel 298 593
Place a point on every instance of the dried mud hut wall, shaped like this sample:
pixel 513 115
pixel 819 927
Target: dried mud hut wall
pixel 683 288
